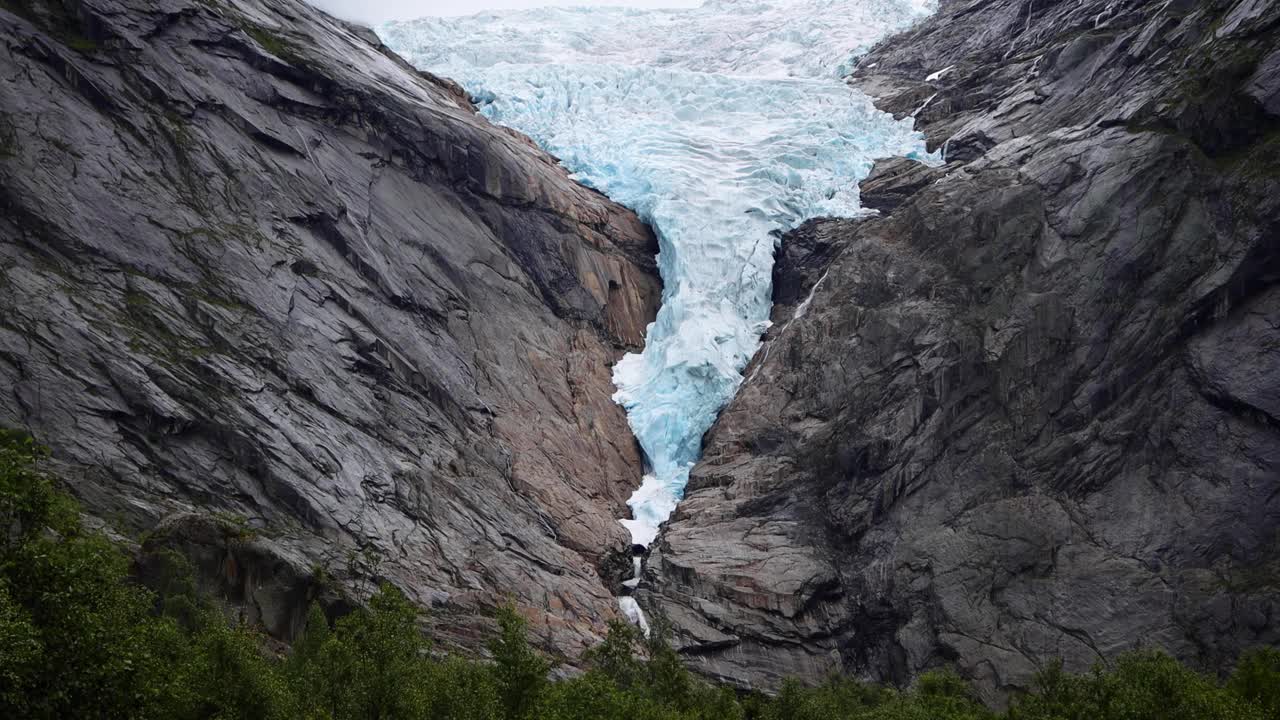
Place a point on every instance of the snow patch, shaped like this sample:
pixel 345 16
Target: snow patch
pixel 934 77
pixel 804 306
pixel 923 105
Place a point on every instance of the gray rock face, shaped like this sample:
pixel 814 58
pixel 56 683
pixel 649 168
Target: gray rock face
pixel 1030 411
pixel 253 264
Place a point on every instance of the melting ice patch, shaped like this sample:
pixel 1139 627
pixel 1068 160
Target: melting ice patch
pixel 631 609
pixel 721 126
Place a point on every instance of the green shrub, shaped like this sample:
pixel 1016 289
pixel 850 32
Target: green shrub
pixel 615 658
pixel 520 673
pixel 77 633
pixel 1144 685
pixel 1257 680
pixel 228 676
pixel 463 690
pixel 936 696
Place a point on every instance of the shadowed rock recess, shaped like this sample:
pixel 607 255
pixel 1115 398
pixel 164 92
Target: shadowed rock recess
pixel 1033 409
pixel 255 267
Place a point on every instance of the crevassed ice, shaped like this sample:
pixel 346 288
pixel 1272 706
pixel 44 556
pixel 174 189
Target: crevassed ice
pixel 721 126
pixel 761 38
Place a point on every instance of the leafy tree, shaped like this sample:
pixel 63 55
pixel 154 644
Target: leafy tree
pixel 943 694
pixel 520 673
pixel 228 676
pixel 29 502
pixel 616 656
pixel 20 654
pixel 1257 680
pixel 1144 685
pixel 717 703
pixel 77 634
pixel 314 669
pixel 791 702
pixel 463 690
pixel 593 695
pixel 668 680
pixel 374 664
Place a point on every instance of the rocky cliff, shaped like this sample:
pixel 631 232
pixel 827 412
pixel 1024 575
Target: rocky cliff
pixel 295 309
pixel 1031 409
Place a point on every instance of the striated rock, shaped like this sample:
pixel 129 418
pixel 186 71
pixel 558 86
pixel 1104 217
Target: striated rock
pixel 1029 412
pixel 253 264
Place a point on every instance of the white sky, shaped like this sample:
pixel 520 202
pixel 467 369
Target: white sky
pixel 376 11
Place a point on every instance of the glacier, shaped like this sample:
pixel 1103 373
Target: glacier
pixel 722 127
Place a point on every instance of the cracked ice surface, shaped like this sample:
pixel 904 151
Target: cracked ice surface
pixel 721 126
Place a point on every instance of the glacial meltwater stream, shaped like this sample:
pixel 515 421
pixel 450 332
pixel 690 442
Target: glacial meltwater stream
pixel 721 126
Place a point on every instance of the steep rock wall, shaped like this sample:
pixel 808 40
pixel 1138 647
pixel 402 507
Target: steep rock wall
pixel 1029 411
pixel 253 265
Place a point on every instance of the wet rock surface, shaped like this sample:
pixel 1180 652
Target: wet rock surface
pixel 253 265
pixel 1029 411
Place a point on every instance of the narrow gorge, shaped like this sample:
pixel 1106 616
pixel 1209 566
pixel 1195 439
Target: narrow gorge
pixel 829 337
pixel 722 127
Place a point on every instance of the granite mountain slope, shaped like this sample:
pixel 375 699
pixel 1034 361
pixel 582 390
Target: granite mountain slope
pixel 265 286
pixel 1030 410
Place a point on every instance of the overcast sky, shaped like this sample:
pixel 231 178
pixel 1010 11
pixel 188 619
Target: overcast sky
pixel 376 11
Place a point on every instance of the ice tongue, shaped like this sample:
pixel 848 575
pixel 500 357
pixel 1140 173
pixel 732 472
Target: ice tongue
pixel 721 126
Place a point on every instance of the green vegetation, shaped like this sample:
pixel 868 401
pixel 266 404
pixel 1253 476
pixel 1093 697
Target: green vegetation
pixel 272 42
pixel 191 183
pixel 57 18
pixel 149 331
pixel 8 137
pixel 235 526
pixel 78 638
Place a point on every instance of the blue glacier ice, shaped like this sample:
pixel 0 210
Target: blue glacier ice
pixel 721 126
